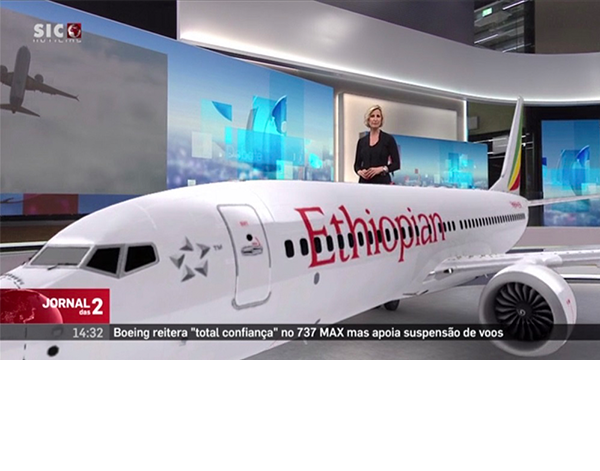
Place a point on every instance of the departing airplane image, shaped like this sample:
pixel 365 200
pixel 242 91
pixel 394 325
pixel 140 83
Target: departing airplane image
pixel 297 252
pixel 19 82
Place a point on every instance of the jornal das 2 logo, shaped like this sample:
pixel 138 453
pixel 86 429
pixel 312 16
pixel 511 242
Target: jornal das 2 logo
pixel 69 32
pixel 55 306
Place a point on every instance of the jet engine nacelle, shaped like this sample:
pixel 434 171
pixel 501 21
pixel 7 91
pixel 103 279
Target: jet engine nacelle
pixel 3 71
pixel 39 78
pixel 528 301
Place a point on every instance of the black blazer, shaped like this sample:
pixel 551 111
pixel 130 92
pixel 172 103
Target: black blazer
pixel 385 152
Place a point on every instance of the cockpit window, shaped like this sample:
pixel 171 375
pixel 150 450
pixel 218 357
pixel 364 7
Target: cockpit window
pixel 63 256
pixel 105 259
pixel 139 256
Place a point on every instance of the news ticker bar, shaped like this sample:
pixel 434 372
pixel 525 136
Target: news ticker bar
pixel 280 332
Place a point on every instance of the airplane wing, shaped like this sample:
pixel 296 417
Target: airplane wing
pixel 33 84
pixel 7 78
pixel 488 264
pixel 565 199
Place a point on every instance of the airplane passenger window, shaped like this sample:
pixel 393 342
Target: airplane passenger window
pixel 388 236
pixel 351 240
pixel 417 230
pixel 379 238
pixel 370 237
pixel 318 247
pixel 289 249
pixel 105 259
pixel 303 246
pixel 460 224
pixel 329 241
pixel 453 226
pixel 139 256
pixel 395 233
pixel 361 239
pixel 340 241
pixel 404 231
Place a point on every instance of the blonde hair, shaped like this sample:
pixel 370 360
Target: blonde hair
pixel 369 111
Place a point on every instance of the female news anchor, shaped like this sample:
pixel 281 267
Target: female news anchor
pixel 376 153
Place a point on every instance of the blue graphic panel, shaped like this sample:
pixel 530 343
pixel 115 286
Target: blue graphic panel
pixel 437 162
pixel 571 167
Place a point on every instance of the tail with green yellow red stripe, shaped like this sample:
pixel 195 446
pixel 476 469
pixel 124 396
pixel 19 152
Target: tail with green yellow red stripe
pixel 510 178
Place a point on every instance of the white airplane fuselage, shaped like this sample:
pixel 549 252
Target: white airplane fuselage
pixel 19 80
pixel 245 253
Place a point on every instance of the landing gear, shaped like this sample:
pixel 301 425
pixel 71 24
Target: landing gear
pixel 392 305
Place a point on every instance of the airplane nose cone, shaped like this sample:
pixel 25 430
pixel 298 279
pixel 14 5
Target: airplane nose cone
pixel 8 283
pixel 23 306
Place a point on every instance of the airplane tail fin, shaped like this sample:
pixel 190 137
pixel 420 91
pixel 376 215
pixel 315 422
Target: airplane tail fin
pixel 510 177
pixel 19 109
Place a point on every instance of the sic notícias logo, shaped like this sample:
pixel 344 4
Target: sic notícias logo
pixel 57 32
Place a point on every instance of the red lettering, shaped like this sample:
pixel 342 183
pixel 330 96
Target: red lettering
pixel 435 218
pixel 383 238
pixel 352 226
pixel 312 233
pixel 409 236
pixel 376 239
pixel 337 223
pixel 425 229
pixel 415 227
pixel 407 231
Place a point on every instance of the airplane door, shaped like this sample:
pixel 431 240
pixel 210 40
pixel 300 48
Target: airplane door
pixel 252 257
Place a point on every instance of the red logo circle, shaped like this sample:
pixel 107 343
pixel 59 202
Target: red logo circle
pixel 74 30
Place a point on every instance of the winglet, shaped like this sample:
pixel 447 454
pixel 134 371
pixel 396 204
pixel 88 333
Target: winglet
pixel 510 178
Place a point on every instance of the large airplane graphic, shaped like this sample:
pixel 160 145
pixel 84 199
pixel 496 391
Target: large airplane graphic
pixel 19 81
pixel 295 252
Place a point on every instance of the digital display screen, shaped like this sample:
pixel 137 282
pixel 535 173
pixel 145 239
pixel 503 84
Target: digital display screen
pixel 95 112
pixel 571 167
pixel 442 163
